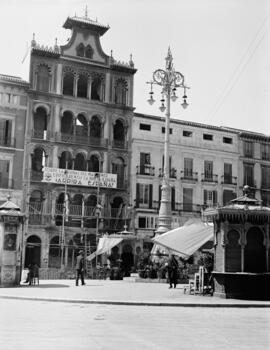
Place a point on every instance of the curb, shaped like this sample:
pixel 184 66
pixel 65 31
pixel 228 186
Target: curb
pixel 137 303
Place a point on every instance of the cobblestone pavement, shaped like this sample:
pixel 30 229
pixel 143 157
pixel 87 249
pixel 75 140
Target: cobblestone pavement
pixel 120 292
pixel 43 325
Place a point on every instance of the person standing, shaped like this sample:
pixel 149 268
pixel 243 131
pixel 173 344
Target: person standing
pixel 172 271
pixel 80 268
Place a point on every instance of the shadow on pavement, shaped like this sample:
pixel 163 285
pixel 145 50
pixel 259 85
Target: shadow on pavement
pixel 53 285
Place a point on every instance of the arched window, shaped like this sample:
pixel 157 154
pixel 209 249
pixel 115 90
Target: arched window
pixel 82 86
pixel 121 92
pixel 65 160
pixel 96 89
pixel 35 208
pixel 119 169
pixel 80 162
pixel 40 123
pixel 233 252
pixel 54 253
pixel 119 134
pixel 80 50
pixel 38 160
pixel 43 78
pixel 117 208
pixel 95 127
pixel 67 123
pixel 81 125
pixel 93 164
pixel 89 52
pixel 68 83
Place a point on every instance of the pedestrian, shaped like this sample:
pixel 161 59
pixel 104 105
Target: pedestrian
pixel 80 268
pixel 172 269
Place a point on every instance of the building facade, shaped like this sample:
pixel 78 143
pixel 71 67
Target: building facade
pixel 79 118
pixel 254 164
pixel 204 169
pixel 13 111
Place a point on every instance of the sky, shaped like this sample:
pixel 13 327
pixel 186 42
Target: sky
pixel 222 47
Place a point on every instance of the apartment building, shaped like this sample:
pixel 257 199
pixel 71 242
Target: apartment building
pixel 13 110
pixel 254 164
pixel 204 169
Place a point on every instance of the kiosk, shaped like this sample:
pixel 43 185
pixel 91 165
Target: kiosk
pixel 241 248
pixel 11 224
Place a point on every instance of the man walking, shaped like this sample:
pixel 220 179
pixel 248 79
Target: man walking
pixel 80 268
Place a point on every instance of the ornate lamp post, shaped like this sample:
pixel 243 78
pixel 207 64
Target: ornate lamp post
pixel 169 80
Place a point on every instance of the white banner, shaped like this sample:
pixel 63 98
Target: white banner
pixel 79 178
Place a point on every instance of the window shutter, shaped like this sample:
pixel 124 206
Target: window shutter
pixel 150 196
pixel 173 198
pixel 214 197
pixel 137 195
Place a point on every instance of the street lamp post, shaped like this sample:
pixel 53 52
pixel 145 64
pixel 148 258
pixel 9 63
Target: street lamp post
pixel 169 80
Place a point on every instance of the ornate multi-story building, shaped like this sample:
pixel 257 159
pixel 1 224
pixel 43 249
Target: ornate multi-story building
pixel 13 111
pixel 79 119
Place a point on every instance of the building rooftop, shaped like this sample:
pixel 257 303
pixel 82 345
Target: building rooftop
pixel 13 79
pixel 87 23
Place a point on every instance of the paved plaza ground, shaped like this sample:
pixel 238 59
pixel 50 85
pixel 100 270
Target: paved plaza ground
pixel 122 315
pixel 121 292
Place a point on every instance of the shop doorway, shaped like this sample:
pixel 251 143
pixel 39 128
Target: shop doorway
pixel 32 251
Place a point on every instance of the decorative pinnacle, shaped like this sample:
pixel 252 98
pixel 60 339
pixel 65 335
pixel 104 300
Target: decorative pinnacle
pixel 86 12
pixel 33 42
pixel 169 59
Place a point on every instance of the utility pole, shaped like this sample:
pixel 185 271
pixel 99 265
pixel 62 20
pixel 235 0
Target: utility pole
pixel 62 243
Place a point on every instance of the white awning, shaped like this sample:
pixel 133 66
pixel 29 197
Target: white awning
pixel 105 244
pixel 185 240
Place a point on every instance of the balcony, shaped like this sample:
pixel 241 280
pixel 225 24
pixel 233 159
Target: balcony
pixel 188 207
pixel 6 183
pixel 122 144
pixel 36 175
pixel 40 134
pixel 189 175
pixel 145 169
pixel 172 173
pixel 208 177
pixel 80 139
pixel 265 155
pixel 229 180
pixel 7 142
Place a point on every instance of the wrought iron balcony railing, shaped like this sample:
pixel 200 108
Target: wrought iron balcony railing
pixel 40 134
pixel 81 139
pixel 188 207
pixel 189 175
pixel 172 173
pixel 145 170
pixel 120 144
pixel 209 177
pixel 229 180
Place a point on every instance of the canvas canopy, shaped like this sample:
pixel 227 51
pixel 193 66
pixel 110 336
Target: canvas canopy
pixel 185 240
pixel 106 243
